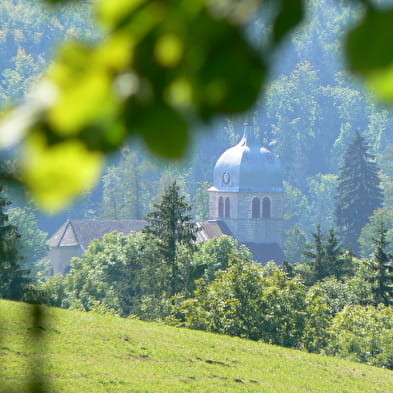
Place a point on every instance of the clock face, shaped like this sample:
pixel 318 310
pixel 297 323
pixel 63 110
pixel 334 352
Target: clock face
pixel 226 177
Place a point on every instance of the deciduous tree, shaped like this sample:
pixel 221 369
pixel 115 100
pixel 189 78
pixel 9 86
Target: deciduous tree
pixel 244 301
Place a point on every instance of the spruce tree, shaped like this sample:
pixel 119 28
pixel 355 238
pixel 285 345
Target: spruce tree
pixel 338 261
pixel 12 276
pixel 170 225
pixel 381 266
pixel 325 256
pixel 358 192
pixel 315 256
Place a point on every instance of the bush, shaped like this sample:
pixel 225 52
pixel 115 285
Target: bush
pixel 363 334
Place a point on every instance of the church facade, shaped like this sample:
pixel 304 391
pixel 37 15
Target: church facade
pixel 248 193
pixel 246 201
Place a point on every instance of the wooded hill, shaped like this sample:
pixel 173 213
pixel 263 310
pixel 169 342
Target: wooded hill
pixel 309 114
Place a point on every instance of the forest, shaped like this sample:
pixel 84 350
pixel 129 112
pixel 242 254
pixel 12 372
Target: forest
pixel 334 293
pixel 309 113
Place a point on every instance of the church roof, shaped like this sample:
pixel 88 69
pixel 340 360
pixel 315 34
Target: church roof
pixel 82 232
pixel 212 228
pixel 248 167
pixel 265 252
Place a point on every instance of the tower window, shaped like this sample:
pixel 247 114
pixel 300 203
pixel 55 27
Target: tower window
pixel 220 207
pixel 227 207
pixel 256 208
pixel 266 208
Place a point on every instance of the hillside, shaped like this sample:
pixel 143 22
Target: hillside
pixel 89 352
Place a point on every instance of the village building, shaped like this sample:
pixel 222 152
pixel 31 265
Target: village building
pixel 246 201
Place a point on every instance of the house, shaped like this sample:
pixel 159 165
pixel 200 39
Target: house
pixel 246 201
pixel 74 236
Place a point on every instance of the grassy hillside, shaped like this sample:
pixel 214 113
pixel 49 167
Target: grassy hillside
pixel 88 352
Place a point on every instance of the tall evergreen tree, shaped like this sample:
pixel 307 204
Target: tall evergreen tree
pixel 12 276
pixel 170 225
pixel 381 266
pixel 358 192
pixel 315 256
pixel 325 256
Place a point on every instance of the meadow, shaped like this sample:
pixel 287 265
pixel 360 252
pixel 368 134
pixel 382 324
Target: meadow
pixel 83 352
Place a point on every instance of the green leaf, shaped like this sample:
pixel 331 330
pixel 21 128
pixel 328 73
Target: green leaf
pixel 55 2
pixel 165 132
pixel 220 87
pixel 290 15
pixel 56 174
pixel 369 45
pixel 381 82
pixel 160 67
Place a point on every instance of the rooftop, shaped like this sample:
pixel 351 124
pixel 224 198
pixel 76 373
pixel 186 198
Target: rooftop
pixel 248 167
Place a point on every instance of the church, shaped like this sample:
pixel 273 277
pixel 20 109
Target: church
pixel 246 201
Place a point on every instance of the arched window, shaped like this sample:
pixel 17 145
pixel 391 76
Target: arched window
pixel 266 207
pixel 227 207
pixel 256 208
pixel 220 207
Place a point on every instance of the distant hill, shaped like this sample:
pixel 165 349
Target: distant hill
pixel 90 352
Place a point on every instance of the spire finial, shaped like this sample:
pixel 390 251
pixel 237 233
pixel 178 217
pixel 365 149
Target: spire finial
pixel 246 125
pixel 249 137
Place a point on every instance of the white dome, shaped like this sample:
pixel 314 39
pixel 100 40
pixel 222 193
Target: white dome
pixel 248 167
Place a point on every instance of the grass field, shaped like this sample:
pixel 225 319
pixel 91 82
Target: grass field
pixel 88 352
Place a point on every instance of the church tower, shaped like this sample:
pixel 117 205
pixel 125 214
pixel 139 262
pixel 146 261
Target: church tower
pixel 248 194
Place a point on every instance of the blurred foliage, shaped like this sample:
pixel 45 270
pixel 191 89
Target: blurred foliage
pixel 159 68
pixel 154 69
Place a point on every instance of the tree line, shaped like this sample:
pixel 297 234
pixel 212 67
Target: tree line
pixel 329 303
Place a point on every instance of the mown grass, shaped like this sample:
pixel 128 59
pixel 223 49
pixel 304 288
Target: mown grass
pixel 88 352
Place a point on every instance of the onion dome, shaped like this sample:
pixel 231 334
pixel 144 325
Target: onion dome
pixel 248 167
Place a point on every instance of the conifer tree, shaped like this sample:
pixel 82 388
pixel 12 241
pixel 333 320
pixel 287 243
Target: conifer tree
pixel 381 266
pixel 358 192
pixel 325 256
pixel 170 225
pixel 315 256
pixel 338 261
pixel 12 276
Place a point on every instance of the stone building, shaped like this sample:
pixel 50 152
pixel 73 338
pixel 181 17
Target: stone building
pixel 74 236
pixel 246 202
pixel 248 196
